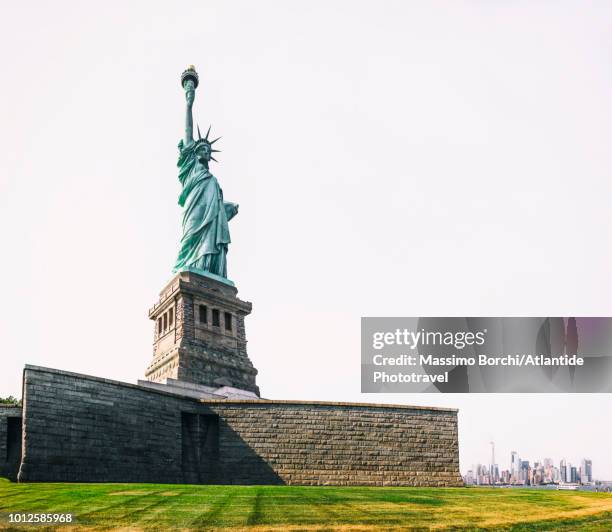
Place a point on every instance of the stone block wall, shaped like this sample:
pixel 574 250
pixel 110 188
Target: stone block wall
pixel 193 346
pixel 85 429
pixel 10 444
pixel 80 428
pixel 339 444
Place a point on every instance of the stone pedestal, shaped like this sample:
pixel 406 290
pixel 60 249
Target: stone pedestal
pixel 199 334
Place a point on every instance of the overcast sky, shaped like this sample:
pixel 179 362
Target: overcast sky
pixel 389 158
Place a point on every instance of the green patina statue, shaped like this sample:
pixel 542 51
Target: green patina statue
pixel 206 234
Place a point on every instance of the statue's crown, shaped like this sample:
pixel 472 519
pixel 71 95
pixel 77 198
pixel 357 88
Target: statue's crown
pixel 206 141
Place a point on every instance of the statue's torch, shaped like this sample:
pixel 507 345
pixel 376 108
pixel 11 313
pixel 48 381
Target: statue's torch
pixel 190 75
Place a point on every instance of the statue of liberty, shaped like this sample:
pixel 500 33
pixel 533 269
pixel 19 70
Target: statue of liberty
pixel 205 215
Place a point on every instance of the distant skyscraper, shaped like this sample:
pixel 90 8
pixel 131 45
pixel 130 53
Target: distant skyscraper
pixel 524 473
pixel 548 470
pixel 494 473
pixel 586 471
pixel 514 465
pixel 563 470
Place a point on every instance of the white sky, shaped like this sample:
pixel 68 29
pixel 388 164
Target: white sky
pixel 390 158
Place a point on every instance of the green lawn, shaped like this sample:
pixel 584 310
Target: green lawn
pixel 286 508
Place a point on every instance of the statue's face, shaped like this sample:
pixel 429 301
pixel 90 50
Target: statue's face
pixel 203 152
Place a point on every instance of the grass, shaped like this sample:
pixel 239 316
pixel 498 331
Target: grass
pixel 293 508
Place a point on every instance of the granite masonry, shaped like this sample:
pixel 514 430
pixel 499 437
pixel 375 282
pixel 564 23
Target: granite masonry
pixel 200 335
pixel 88 429
pixel 10 441
pixel 198 417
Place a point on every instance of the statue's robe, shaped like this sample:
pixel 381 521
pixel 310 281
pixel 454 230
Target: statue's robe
pixel 205 215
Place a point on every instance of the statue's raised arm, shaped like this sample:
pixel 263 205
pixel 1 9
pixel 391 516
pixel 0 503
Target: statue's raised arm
pixel 190 96
pixel 189 80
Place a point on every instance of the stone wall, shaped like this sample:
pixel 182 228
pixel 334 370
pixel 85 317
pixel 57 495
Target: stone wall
pixel 10 444
pixel 80 428
pixel 338 444
pixel 87 429
pixel 189 344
